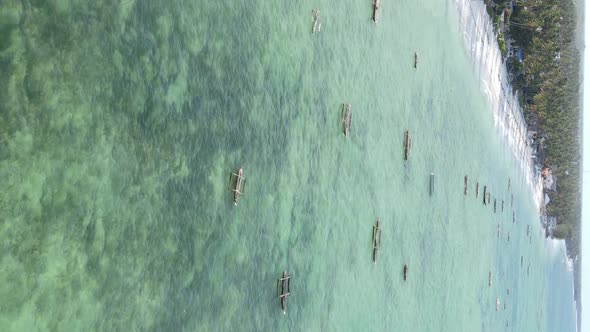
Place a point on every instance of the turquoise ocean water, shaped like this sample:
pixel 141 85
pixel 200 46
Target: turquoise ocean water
pixel 120 124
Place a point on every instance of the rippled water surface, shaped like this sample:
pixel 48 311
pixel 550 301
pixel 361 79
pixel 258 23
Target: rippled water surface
pixel 120 124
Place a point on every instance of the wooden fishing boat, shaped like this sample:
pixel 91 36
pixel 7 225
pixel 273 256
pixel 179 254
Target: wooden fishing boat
pixel 346 118
pixel 416 60
pixel 477 190
pixel 407 145
pixel 283 290
pixel 466 182
pixel 405 272
pixel 376 10
pixel 431 183
pixel 317 23
pixel 237 183
pixel 485 191
pixel 376 240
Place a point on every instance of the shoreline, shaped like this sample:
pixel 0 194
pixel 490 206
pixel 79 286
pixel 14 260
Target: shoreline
pixel 487 61
pixel 488 64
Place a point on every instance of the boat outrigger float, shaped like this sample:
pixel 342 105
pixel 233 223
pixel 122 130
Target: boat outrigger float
pixel 477 190
pixel 237 183
pixel 376 240
pixel 283 290
pixel 346 118
pixel 407 145
pixel 376 10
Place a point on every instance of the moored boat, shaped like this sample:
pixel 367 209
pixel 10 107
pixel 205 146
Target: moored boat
pixel 376 10
pixel 317 24
pixel 346 118
pixel 466 182
pixel 431 183
pixel 237 183
pixel 407 145
pixel 376 240
pixel 283 290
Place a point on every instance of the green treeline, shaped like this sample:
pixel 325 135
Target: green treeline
pixel 547 76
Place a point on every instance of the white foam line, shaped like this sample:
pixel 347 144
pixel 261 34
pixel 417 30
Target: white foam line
pixel 480 41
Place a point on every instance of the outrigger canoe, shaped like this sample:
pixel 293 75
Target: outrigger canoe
pixel 376 10
pixel 466 181
pixel 376 240
pixel 346 118
pixel 407 145
pixel 283 290
pixel 317 24
pixel 237 185
pixel 431 183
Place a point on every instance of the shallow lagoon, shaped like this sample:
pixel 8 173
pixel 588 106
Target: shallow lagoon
pixel 121 122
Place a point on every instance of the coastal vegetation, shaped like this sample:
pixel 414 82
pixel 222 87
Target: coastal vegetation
pixel 543 59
